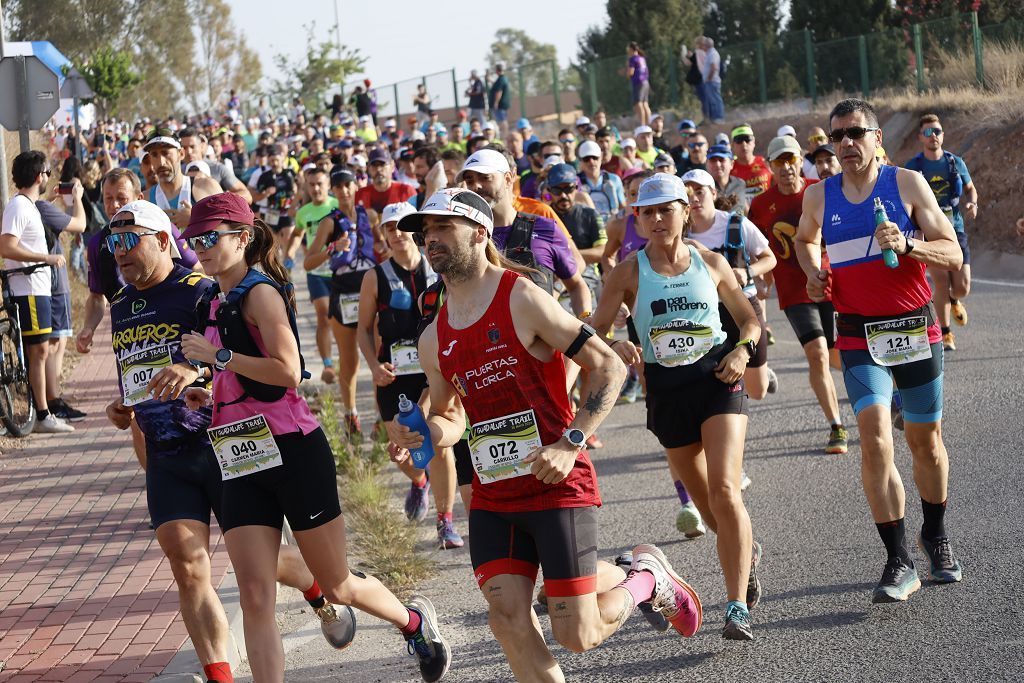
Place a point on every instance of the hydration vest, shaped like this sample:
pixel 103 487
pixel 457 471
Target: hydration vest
pixel 393 322
pixel 360 256
pixel 518 250
pixel 235 334
pixel 735 249
pixel 956 181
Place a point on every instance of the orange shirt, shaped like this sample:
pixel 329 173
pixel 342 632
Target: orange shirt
pixel 539 208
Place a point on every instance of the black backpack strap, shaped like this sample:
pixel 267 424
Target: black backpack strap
pixel 519 250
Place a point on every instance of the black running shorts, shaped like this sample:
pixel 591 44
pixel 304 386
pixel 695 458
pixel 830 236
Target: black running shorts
pixel 810 321
pixel 182 482
pixel 387 397
pixel 463 462
pixel 732 332
pixel 675 416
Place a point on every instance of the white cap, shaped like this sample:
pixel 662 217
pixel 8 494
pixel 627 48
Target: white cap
pixel 628 142
pixel 390 123
pixel 365 117
pixel 417 135
pixel 785 130
pixel 485 161
pixel 146 215
pixel 700 177
pixel 655 115
pixel 552 160
pixel 582 121
pixel 198 165
pixel 357 160
pixel 488 125
pixel 395 212
pixel 307 167
pixel 589 149
pixel 640 130
pixel 453 201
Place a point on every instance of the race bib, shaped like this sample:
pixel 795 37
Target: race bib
pixel 681 342
pixel 406 357
pixel 138 369
pixel 349 305
pixel 898 341
pixel 244 447
pixel 273 217
pixel 498 447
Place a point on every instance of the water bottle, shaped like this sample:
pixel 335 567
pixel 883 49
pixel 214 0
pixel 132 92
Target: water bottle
pixel 888 255
pixel 410 415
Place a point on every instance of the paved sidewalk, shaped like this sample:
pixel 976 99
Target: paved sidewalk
pixel 85 593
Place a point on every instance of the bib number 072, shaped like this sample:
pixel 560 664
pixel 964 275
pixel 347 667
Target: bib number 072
pixel 504 448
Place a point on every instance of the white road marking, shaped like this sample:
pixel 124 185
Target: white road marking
pixel 1001 283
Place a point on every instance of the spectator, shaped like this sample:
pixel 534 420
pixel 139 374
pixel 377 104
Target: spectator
pixel 636 69
pixel 421 100
pixel 711 73
pixel 501 99
pixel 477 98
pixel 693 61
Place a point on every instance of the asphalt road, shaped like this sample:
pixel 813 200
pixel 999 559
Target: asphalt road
pixel 822 554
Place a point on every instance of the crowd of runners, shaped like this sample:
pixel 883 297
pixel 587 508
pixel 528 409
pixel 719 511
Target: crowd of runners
pixel 517 287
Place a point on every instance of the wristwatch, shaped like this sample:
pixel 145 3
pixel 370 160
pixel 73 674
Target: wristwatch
pixel 910 246
pixel 749 345
pixel 575 437
pixel 223 357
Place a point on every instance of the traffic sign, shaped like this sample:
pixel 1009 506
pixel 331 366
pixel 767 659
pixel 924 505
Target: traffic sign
pixel 75 86
pixel 36 89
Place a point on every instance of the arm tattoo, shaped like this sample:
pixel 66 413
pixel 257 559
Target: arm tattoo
pixel 596 402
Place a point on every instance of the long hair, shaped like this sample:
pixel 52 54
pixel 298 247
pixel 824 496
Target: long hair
pixel 633 45
pixel 261 253
pixel 496 258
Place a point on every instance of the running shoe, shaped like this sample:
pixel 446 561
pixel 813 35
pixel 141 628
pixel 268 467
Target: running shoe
pixel 328 376
pixel 744 480
pixel 771 337
pixel 594 442
pixel 629 392
pixel 689 522
pixel 754 583
pixel 943 566
pixel 959 312
pixel 417 502
pixel 896 413
pixel 949 341
pixel 427 644
pixel 61 409
pixel 338 624
pixel 737 622
pixel 673 597
pixel 51 424
pixel 773 381
pixel 655 619
pixel 899 581
pixel 447 537
pixel 352 425
pixel 837 441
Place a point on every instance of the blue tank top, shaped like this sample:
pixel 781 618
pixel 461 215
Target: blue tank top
pixel 677 317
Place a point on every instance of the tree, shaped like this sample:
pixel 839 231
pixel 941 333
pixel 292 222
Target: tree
pixel 313 75
pixel 223 61
pixel 515 48
pixel 730 22
pixel 109 73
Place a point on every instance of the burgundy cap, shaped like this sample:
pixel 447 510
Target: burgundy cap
pixel 209 212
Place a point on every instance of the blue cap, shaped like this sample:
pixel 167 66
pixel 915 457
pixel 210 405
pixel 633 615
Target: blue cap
pixel 687 124
pixel 345 144
pixel 523 123
pixel 561 174
pixel 719 152
pixel 661 188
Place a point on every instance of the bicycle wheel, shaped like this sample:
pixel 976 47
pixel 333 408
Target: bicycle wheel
pixel 19 408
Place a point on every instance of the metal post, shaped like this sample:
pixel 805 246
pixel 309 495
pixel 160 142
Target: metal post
pixel 979 61
pixel 812 86
pixel 397 115
pixel 337 43
pixel 862 49
pixel 673 76
pixel 554 87
pixel 455 92
pixel 762 82
pixel 4 189
pixel 592 83
pixel 21 78
pixel 75 103
pixel 918 58
pixel 522 93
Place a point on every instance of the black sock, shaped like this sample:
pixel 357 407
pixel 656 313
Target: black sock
pixel 41 414
pixel 933 527
pixel 318 602
pixel 945 330
pixel 894 537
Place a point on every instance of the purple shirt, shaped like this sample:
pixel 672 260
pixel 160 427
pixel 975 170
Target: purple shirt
pixel 550 246
pixel 639 65
pixel 95 251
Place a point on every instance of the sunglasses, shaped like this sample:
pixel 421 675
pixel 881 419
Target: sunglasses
pixel 932 132
pixel 817 138
pixel 696 145
pixel 853 132
pixel 562 190
pixel 743 138
pixel 591 158
pixel 567 141
pixel 784 160
pixel 208 240
pixel 125 240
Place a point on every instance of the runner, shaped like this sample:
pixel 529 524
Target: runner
pixel 318 280
pixel 695 400
pixel 825 162
pixel 288 469
pixel 277 185
pixel 382 190
pixel 885 331
pixel 389 306
pixel 183 483
pixel 174 192
pixel 719 165
pixel 494 354
pixel 749 167
pixel 777 213
pixel 951 183
pixel 605 187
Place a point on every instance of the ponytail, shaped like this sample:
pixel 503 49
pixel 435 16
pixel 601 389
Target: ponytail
pixel 636 47
pixel 261 253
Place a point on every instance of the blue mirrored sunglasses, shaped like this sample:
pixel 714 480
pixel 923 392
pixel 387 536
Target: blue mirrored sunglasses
pixel 208 240
pixel 125 240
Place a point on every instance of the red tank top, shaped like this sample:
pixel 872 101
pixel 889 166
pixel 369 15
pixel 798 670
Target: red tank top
pixel 496 376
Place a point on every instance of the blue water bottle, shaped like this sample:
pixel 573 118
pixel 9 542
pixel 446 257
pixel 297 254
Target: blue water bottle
pixel 888 255
pixel 410 415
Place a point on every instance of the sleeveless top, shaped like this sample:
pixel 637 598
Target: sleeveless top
pixel 158 197
pixel 631 241
pixel 396 324
pixel 691 296
pixel 289 415
pixel 496 376
pixel 861 283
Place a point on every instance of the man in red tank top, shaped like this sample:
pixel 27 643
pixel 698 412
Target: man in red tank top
pixel 494 354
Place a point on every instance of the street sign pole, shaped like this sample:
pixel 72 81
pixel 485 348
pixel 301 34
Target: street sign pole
pixel 5 192
pixel 21 78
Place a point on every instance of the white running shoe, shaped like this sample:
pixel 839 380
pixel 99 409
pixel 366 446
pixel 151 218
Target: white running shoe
pixel 689 521
pixel 51 424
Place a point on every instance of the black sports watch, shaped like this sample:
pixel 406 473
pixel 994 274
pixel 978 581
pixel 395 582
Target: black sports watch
pixel 749 345
pixel 910 246
pixel 223 357
pixel 575 437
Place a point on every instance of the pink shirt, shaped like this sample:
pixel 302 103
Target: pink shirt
pixel 288 415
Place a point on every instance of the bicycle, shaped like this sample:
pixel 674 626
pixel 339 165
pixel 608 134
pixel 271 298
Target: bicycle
pixel 17 405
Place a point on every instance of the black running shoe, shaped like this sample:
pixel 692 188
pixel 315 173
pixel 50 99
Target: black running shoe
pixel 427 644
pixel 61 409
pixel 943 566
pixel 899 581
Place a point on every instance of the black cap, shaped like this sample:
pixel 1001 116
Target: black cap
pixel 820 148
pixel 605 132
pixel 533 148
pixel 342 176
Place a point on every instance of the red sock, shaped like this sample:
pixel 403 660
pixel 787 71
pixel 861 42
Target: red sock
pixel 421 483
pixel 219 672
pixel 444 516
pixel 414 624
pixel 640 585
pixel 313 592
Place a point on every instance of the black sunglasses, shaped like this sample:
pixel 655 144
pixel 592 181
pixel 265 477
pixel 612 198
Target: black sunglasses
pixel 743 138
pixel 562 189
pixel 853 132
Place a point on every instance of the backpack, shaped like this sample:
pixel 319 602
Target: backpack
pixel 956 181
pixel 361 252
pixel 235 335
pixel 518 250
pixel 693 76
pixel 614 208
pixel 735 249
